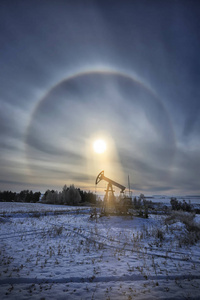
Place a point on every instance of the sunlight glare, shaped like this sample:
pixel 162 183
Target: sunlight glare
pixel 99 146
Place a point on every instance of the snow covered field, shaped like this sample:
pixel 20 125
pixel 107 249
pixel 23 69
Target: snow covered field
pixel 68 255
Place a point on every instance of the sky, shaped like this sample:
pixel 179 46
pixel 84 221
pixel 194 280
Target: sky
pixel 127 72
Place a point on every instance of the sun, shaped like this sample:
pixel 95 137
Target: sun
pixel 99 146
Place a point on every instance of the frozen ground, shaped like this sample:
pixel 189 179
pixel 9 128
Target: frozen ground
pixel 71 256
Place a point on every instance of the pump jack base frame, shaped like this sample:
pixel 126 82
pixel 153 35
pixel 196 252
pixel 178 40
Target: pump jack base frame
pixel 123 208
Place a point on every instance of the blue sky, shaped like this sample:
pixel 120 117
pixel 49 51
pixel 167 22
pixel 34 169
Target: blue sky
pixel 124 71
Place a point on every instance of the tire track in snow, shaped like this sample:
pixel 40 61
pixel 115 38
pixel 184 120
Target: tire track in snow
pixel 45 213
pixel 22 234
pixel 93 279
pixel 27 232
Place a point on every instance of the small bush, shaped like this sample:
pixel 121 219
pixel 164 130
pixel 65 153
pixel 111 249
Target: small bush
pixel 179 216
pixel 55 231
pixel 160 235
pixel 58 230
pixel 192 234
pixel 191 238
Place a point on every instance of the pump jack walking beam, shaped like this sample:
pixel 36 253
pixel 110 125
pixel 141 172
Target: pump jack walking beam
pixel 110 181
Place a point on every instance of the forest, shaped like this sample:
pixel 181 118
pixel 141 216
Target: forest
pixel 68 196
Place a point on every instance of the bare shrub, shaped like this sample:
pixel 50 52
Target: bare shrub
pixel 192 234
pixel 179 216
pixel 192 226
pixel 54 231
pixel 190 238
pixel 160 235
pixel 58 230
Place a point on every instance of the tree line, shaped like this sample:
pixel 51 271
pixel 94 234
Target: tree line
pixel 178 205
pixel 23 196
pixel 68 196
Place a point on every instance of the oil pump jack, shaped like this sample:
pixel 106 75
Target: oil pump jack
pixel 110 203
